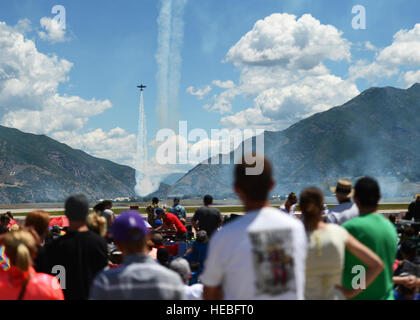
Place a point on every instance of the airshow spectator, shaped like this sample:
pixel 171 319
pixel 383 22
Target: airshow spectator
pixel 346 209
pixel 290 205
pixel 81 252
pixel 39 221
pixel 4 222
pixel 377 233
pixel 108 214
pixel 150 210
pixel 140 277
pixel 414 209
pixel 207 217
pixel 179 210
pixel 181 266
pixel 260 255
pixel 171 222
pixel 21 281
pixel 162 256
pixel 197 254
pixel 407 275
pixel 327 243
pixel 12 222
pixel 97 224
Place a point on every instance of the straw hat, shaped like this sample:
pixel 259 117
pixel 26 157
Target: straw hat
pixel 417 195
pixel 344 188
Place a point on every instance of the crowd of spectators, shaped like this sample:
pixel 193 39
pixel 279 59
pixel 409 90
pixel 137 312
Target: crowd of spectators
pixel 348 252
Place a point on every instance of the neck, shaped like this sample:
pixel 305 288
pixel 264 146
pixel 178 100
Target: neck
pixel 367 210
pixel 256 205
pixel 311 223
pixel 131 253
pixel 343 201
pixel 78 226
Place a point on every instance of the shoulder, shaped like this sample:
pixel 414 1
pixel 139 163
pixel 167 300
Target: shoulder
pixel 214 209
pixel 92 236
pixel 170 216
pixel 337 229
pixel 352 224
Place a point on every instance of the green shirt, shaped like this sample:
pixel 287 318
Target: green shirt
pixel 377 233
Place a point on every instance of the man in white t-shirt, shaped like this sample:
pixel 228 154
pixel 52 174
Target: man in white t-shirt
pixel 346 209
pixel 260 255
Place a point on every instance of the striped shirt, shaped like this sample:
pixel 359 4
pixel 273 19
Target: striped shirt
pixel 140 278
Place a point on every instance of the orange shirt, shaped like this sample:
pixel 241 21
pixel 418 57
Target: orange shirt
pixel 41 286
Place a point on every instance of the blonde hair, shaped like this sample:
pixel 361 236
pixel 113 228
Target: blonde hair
pixel 20 247
pixel 15 227
pixel 97 224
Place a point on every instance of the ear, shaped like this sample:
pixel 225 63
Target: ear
pixel 239 192
pixel 356 201
pixel 272 184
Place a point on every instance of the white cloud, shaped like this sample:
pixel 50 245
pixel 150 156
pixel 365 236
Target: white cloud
pixel 29 99
pixel 26 75
pixel 403 52
pixel 282 40
pixel 411 77
pixel 115 144
pixel 305 97
pixel 200 93
pixel 370 46
pixel 281 64
pixel 228 84
pixel 405 49
pixel 222 103
pixel 250 118
pixel 53 30
pixel 59 113
pixel 362 69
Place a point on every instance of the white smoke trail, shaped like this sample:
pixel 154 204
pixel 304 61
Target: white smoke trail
pixel 145 183
pixel 168 58
pixel 162 59
pixel 175 60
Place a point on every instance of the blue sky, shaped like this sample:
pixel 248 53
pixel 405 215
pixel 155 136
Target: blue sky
pixel 112 46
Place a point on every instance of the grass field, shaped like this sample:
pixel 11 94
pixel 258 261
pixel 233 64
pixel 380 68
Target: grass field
pixel 237 209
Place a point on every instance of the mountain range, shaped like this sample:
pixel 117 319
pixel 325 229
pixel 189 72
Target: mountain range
pixel 36 168
pixel 376 133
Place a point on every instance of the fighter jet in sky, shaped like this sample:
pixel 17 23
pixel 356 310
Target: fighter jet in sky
pixel 141 87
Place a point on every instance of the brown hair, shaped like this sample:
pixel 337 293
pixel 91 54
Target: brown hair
pixel 255 187
pixel 20 247
pixel 39 220
pixel 311 202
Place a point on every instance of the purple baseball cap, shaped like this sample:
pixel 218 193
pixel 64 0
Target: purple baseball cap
pixel 129 226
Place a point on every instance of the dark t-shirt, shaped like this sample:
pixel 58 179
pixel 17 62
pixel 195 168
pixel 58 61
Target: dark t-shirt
pixel 413 211
pixel 82 254
pixel 208 219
